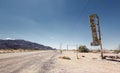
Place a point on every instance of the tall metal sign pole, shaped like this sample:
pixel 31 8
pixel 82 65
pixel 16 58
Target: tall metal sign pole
pixel 94 20
pixel 100 42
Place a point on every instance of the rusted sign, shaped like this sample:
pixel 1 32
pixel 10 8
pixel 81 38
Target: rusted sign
pixel 93 21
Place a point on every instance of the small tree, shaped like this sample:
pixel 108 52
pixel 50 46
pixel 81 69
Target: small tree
pixel 83 48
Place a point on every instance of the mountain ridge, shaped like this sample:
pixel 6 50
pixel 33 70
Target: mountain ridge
pixel 22 44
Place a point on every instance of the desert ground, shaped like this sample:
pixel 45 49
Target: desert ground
pixel 90 63
pixel 49 62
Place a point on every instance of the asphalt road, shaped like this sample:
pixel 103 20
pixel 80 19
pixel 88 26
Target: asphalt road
pixel 29 62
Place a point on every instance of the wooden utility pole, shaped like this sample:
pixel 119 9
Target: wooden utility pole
pixel 67 47
pixel 77 51
pixel 61 48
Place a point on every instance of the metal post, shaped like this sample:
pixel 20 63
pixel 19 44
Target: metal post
pixel 100 42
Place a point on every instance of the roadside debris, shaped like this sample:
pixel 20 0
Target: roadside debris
pixel 64 57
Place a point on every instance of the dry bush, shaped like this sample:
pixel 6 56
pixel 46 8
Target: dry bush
pixel 117 51
pixel 83 48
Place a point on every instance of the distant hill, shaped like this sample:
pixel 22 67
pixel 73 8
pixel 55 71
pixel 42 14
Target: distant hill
pixel 22 44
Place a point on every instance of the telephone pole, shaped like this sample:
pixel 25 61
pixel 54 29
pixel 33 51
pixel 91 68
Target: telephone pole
pixel 77 51
pixel 67 47
pixel 61 48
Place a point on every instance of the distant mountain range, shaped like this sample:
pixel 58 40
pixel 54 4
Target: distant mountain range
pixel 22 44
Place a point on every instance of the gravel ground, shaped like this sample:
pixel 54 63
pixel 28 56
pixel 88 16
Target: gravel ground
pixel 28 62
pixel 49 62
pixel 90 63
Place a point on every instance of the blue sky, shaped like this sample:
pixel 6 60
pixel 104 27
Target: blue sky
pixel 51 22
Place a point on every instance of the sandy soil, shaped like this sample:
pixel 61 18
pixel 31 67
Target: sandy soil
pixel 27 62
pixel 49 62
pixel 91 63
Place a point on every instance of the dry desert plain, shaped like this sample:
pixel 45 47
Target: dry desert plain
pixel 49 62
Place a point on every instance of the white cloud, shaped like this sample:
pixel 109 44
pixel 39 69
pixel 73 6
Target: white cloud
pixel 9 38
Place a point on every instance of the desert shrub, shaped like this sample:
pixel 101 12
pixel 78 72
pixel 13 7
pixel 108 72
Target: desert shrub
pixel 117 50
pixel 83 48
pixel 95 51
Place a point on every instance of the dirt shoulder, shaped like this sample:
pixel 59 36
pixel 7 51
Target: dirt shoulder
pixel 88 63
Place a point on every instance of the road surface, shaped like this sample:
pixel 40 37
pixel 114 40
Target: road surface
pixel 27 62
